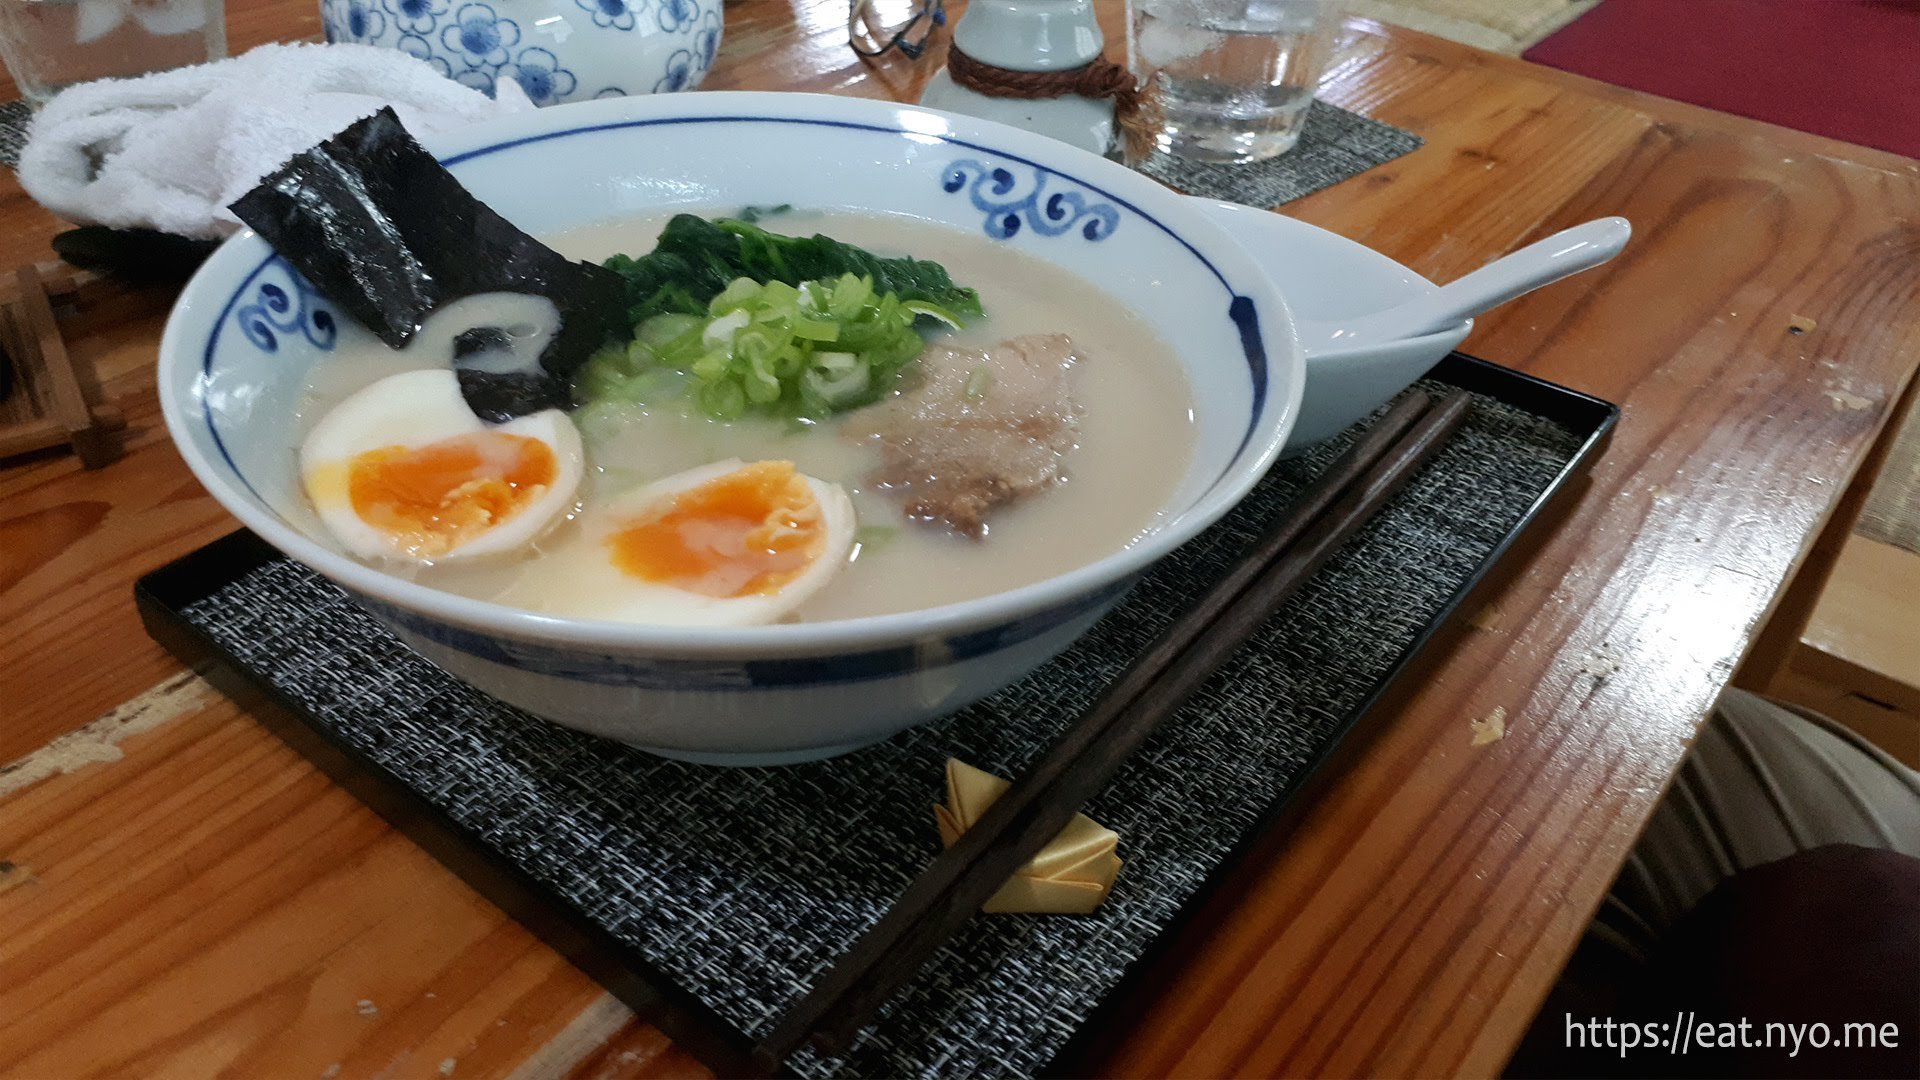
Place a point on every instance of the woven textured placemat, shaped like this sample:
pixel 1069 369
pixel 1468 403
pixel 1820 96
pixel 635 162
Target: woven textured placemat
pixel 1334 145
pixel 743 885
pixel 14 118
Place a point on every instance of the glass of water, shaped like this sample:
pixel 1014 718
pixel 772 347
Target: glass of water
pixel 1232 78
pixel 49 45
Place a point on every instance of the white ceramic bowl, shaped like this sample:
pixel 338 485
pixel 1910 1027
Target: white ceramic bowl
pixel 235 351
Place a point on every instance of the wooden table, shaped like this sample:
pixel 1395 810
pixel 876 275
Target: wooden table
pixel 183 894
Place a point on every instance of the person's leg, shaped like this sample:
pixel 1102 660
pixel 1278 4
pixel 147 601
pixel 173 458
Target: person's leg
pixel 1763 782
pixel 1804 967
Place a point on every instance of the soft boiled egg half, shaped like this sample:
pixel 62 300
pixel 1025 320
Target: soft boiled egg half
pixel 403 469
pixel 728 544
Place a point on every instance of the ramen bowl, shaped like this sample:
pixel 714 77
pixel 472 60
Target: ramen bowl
pixel 246 329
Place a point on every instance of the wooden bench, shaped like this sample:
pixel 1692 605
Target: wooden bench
pixel 1858 660
pixel 1844 637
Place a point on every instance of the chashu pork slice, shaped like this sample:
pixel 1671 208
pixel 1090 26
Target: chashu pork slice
pixel 978 430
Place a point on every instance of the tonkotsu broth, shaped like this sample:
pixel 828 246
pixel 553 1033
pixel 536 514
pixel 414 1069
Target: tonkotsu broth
pixel 1135 439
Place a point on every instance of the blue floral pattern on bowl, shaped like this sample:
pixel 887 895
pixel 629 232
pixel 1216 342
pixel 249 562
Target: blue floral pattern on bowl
pixel 679 74
pixel 477 79
pixel 615 13
pixel 677 16
pixel 995 190
pixel 416 16
pixel 283 303
pixel 706 43
pixel 420 49
pixel 351 20
pixel 557 50
pixel 478 36
pixel 539 73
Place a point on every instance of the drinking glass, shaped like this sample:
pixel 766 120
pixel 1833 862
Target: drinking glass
pixel 1232 78
pixel 48 45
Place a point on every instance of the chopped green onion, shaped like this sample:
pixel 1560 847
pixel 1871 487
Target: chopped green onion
pixel 723 400
pixel 874 537
pixel 788 327
pixel 801 351
pixel 836 378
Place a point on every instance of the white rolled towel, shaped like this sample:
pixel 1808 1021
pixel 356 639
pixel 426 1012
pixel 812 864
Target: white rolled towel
pixel 170 150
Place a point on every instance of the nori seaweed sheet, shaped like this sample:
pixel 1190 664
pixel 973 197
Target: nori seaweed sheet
pixel 384 231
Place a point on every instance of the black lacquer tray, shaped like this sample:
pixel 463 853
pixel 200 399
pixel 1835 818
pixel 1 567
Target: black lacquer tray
pixel 710 898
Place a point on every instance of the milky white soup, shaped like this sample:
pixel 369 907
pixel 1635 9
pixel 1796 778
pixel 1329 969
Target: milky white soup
pixel 1135 438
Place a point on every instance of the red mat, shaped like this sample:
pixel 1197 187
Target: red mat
pixel 1848 69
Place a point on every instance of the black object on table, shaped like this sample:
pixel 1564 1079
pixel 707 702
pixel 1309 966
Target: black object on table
pixel 139 256
pixel 709 899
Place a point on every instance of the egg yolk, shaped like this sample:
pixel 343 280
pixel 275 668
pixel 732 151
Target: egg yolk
pixel 434 497
pixel 747 533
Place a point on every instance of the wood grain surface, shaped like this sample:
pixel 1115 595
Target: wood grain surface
pixel 181 895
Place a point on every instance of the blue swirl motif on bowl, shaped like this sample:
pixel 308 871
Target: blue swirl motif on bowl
pixel 286 306
pixel 995 190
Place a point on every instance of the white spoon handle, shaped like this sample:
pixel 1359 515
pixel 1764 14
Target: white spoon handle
pixel 1542 263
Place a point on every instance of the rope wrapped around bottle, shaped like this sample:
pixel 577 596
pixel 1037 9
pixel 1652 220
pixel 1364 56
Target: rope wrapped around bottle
pixel 1133 108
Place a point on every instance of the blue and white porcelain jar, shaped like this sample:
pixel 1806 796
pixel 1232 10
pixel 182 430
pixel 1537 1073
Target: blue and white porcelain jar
pixel 557 50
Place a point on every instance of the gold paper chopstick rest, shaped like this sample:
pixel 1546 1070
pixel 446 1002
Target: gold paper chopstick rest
pixel 1070 876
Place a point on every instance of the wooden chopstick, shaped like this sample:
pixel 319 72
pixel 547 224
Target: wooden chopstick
pixel 1044 798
